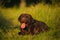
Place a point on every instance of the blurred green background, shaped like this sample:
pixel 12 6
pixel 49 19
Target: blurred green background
pixel 48 13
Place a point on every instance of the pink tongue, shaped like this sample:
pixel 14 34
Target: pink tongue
pixel 23 25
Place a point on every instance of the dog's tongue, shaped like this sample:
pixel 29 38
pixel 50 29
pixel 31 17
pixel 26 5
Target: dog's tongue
pixel 23 25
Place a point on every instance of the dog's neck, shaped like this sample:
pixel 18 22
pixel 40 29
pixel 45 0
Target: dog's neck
pixel 33 21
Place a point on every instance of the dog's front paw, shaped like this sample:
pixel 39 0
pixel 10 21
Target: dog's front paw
pixel 19 33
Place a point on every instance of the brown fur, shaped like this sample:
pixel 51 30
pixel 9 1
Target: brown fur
pixel 32 26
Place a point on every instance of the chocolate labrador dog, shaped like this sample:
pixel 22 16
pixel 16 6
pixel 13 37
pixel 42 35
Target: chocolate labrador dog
pixel 30 25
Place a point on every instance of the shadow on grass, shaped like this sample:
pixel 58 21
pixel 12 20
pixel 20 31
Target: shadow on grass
pixel 5 24
pixel 56 34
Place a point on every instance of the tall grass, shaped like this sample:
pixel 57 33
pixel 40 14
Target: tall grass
pixel 48 14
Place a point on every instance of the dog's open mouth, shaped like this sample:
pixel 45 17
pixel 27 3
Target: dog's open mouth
pixel 23 25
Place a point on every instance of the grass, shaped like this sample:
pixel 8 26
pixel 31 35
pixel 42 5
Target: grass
pixel 48 14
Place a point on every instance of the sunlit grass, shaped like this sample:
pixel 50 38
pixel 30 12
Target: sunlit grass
pixel 41 12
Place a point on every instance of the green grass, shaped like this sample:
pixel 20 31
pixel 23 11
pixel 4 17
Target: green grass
pixel 48 14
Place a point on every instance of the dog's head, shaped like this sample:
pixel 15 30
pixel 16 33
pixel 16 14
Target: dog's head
pixel 25 20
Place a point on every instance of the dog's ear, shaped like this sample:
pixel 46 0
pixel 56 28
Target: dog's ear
pixel 19 18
